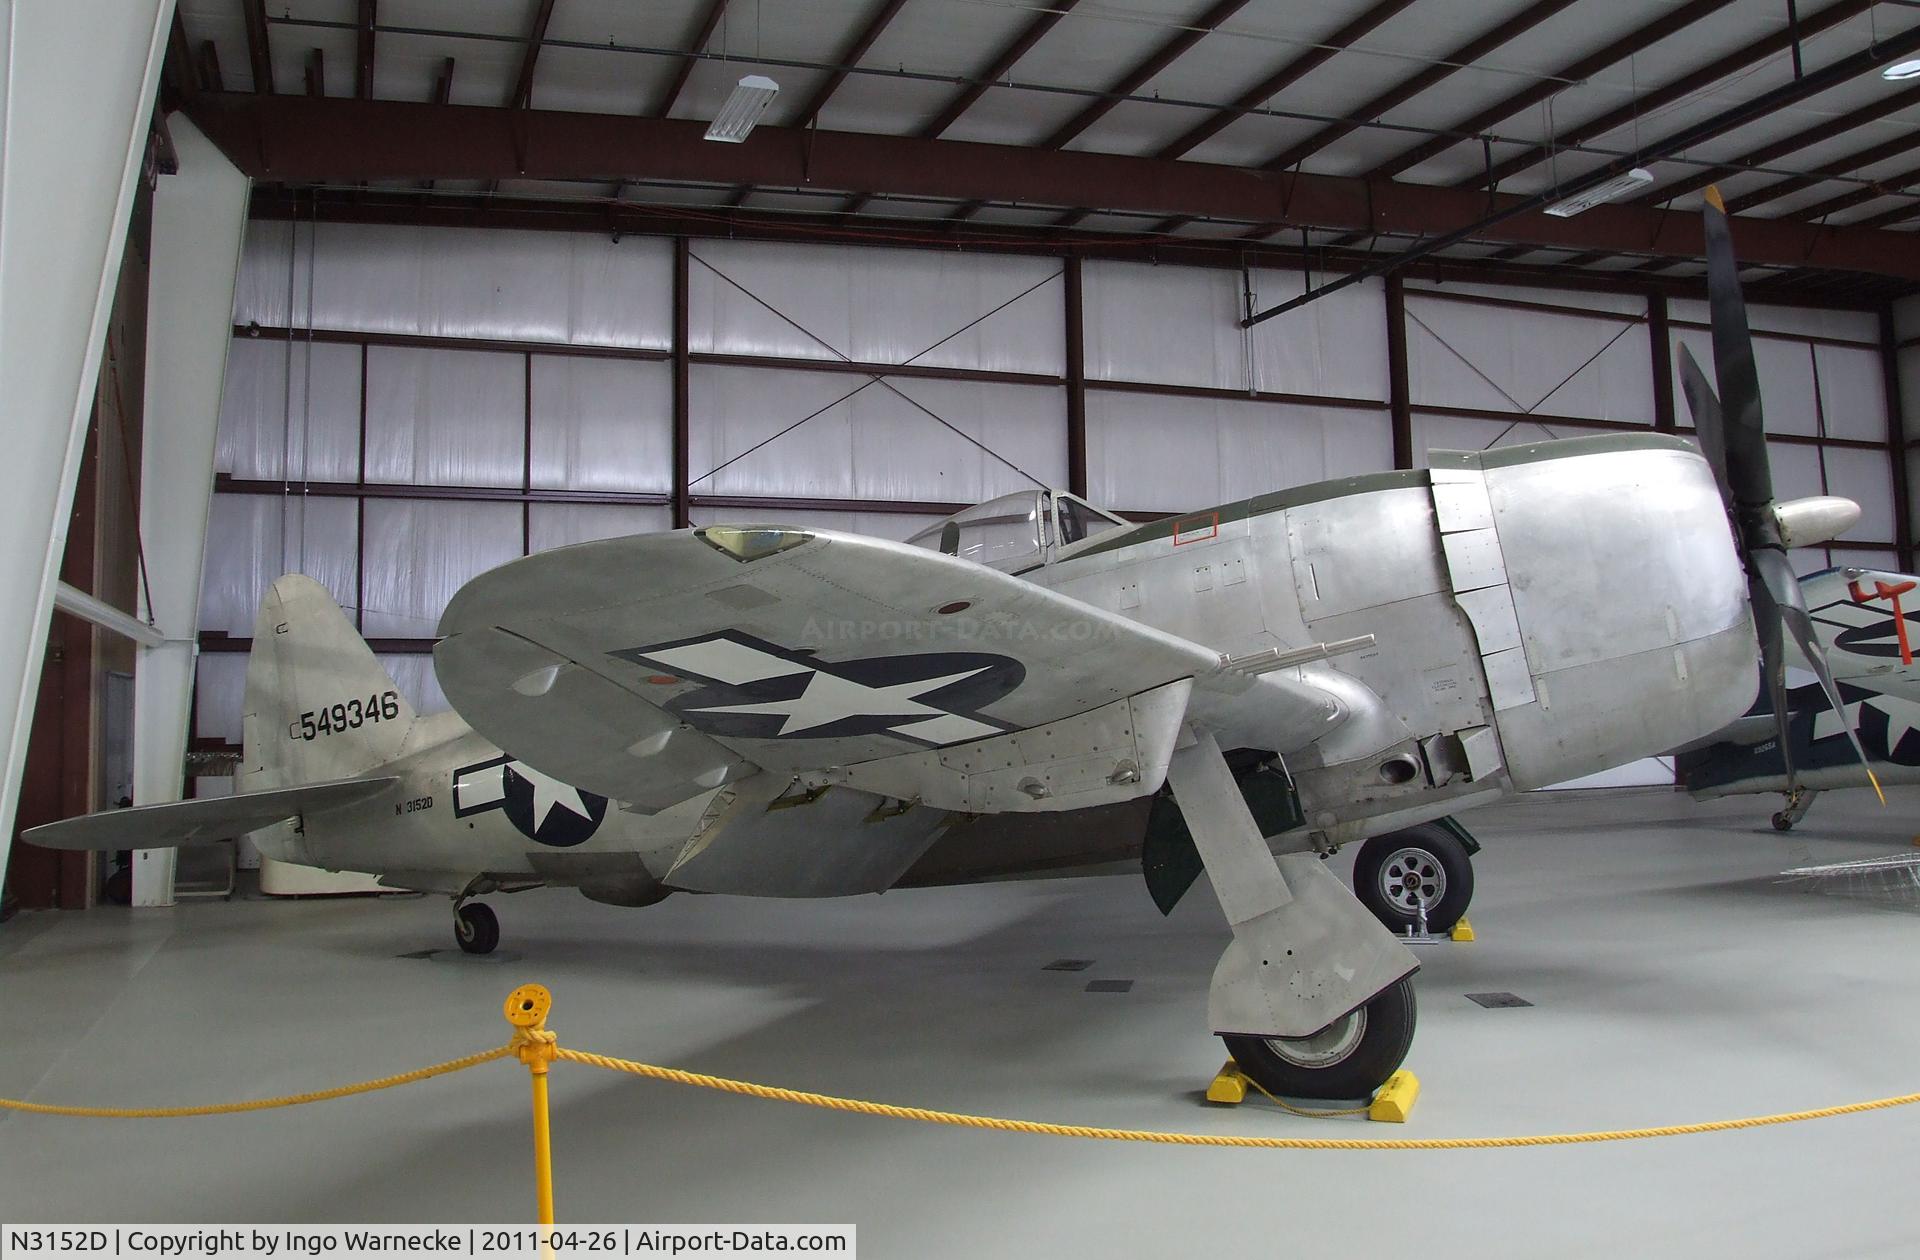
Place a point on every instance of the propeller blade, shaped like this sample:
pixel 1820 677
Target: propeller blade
pixel 1747 469
pixel 1707 423
pixel 1790 608
pixel 1773 664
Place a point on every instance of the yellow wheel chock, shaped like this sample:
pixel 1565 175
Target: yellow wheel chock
pixel 1462 931
pixel 1392 1102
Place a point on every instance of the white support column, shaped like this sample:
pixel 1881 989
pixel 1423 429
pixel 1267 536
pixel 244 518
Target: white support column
pixel 199 220
pixel 79 83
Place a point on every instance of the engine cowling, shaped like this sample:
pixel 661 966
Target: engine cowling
pixel 1606 595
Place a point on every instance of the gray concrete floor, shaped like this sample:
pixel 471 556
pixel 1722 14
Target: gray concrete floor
pixel 1673 980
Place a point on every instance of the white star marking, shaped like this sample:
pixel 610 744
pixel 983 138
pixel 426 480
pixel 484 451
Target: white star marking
pixel 1902 716
pixel 549 792
pixel 827 699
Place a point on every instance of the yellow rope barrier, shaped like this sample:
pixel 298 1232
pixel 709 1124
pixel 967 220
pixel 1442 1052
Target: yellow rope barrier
pixel 536 1046
pixel 999 1124
pixel 261 1104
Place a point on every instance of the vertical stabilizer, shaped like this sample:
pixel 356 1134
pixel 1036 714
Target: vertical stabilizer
pixel 319 705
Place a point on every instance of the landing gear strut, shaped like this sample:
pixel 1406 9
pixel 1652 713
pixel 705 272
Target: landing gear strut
pixel 1798 802
pixel 1312 991
pixel 1428 866
pixel 476 928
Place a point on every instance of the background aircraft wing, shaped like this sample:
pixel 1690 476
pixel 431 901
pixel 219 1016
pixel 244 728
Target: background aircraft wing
pixel 651 668
pixel 216 818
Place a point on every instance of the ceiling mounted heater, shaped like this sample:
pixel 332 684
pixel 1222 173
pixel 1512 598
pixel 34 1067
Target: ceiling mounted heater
pixel 736 118
pixel 1615 188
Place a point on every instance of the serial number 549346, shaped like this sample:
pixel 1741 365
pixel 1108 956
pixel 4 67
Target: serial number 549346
pixel 347 715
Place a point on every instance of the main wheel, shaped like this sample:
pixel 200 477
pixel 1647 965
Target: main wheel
pixel 1350 1058
pixel 476 928
pixel 1396 872
pixel 1783 821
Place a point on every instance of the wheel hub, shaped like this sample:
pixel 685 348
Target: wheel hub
pixel 1325 1048
pixel 1411 878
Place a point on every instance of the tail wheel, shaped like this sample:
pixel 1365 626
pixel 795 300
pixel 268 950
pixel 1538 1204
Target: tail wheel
pixel 1350 1058
pixel 1399 872
pixel 476 928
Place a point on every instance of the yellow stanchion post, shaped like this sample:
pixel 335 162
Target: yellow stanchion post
pixel 534 1044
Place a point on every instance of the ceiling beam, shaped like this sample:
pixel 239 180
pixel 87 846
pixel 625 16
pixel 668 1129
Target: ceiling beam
pixel 259 53
pixel 1637 40
pixel 708 23
pixel 363 62
pixel 296 139
pixel 1448 65
pixel 1673 92
pixel 393 207
pixel 849 56
pixel 1280 80
pixel 1133 80
pixel 1861 196
pixel 1125 86
pixel 1827 129
pixel 1002 63
pixel 1886 218
pixel 1501 210
pixel 1896 146
pixel 1254 97
pixel 537 36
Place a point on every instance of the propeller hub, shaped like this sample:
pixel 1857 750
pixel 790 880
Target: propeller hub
pixel 1810 522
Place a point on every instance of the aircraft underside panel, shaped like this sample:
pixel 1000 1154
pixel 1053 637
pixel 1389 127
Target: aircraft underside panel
pixel 760 841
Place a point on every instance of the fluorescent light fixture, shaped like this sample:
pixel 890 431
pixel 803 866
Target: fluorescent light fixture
pixel 1615 188
pixel 743 109
pixel 1902 70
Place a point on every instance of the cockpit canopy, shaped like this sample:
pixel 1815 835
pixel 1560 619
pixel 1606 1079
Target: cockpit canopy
pixel 1018 531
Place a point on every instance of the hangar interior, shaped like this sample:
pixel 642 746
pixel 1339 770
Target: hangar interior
pixel 391 294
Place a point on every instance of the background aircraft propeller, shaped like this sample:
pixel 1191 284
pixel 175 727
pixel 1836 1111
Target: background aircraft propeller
pixel 1733 438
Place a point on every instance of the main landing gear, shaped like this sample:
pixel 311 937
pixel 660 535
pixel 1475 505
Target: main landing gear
pixel 476 927
pixel 1798 802
pixel 1312 997
pixel 1349 1058
pixel 1401 872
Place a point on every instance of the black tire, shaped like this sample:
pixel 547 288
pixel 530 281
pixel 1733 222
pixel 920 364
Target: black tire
pixel 1782 821
pixel 476 928
pixel 1386 871
pixel 1350 1059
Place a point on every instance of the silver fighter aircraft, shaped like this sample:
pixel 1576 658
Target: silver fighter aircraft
pixel 1036 687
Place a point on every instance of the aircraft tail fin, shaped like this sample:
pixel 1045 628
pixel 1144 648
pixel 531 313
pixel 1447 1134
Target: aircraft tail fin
pixel 319 705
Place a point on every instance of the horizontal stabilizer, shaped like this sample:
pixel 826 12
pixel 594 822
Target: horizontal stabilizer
pixel 176 823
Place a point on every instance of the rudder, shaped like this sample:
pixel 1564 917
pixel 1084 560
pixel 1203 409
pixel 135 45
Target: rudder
pixel 319 705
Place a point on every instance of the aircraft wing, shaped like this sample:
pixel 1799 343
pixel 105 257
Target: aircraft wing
pixel 175 823
pixel 649 669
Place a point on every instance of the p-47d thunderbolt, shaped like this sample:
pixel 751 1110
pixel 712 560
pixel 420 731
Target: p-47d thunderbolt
pixel 1040 688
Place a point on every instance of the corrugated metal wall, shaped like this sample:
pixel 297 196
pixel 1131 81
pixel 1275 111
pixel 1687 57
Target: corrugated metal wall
pixel 407 407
